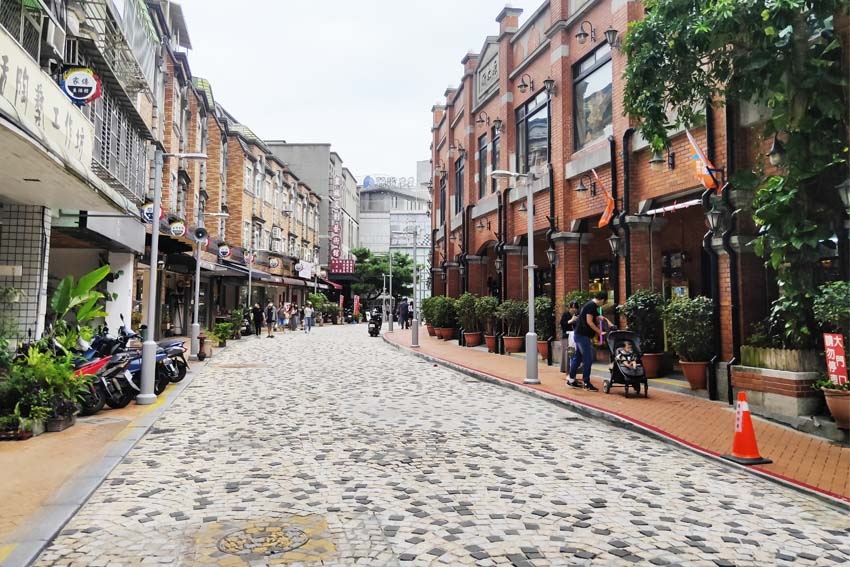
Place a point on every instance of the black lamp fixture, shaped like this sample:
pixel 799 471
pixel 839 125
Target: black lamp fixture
pixel 443 274
pixel 225 210
pixel 481 226
pixel 582 187
pixel 614 243
pixel 483 118
pixel 523 86
pixel 497 125
pixel 612 37
pixel 776 155
pixel 656 162
pixel 462 270
pixel 583 34
pixel 523 208
pixel 452 237
pixel 441 169
pixel 498 263
pixel 714 218
pixel 844 192
pixel 551 255
pixel 549 85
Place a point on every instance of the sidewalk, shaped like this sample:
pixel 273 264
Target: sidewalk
pixel 801 460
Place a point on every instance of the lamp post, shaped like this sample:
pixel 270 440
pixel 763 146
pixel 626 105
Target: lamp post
pixel 146 395
pixel 531 376
pixel 414 332
pixel 195 343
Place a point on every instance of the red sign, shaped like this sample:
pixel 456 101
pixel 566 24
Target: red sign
pixel 342 266
pixel 357 305
pixel 836 363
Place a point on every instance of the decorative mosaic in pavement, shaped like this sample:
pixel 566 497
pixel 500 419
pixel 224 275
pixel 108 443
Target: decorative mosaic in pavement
pixel 336 449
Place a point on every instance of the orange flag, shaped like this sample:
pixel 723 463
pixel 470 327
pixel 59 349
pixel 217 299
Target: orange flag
pixel 609 203
pixel 702 164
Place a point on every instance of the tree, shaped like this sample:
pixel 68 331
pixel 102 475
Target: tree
pixel 780 54
pixel 370 268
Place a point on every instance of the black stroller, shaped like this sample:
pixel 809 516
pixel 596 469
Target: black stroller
pixel 621 374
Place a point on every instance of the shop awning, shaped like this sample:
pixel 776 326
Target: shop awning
pixel 294 281
pixel 333 285
pixel 674 207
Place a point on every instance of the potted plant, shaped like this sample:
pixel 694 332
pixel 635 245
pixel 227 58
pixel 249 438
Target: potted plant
pixel 427 309
pixel 837 398
pixel 445 317
pixel 485 309
pixel 690 333
pixel 831 309
pixel 237 323
pixel 544 323
pixel 512 313
pixel 643 316
pixel 222 332
pixel 468 318
pixel 9 427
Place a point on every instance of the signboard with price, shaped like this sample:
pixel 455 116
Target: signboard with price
pixel 836 361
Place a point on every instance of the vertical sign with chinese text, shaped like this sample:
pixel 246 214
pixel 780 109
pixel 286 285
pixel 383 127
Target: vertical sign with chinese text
pixel 836 361
pixel 337 265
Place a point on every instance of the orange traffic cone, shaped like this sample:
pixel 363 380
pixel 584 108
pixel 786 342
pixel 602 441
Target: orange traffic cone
pixel 745 450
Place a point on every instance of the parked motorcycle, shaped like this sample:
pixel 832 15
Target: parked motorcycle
pixel 111 383
pixel 375 322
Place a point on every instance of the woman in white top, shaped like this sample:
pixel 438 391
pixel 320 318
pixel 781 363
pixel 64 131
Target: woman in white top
pixel 308 317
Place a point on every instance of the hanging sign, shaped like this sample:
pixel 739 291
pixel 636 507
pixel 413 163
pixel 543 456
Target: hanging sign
pixel 81 85
pixel 223 250
pixel 299 267
pixel 177 229
pixel 836 359
pixel 274 262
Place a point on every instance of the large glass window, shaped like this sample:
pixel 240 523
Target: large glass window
pixel 443 200
pixel 482 166
pixel 533 132
pixel 593 92
pixel 459 167
pixel 495 156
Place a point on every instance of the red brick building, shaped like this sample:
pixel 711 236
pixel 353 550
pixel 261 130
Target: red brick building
pixel 547 97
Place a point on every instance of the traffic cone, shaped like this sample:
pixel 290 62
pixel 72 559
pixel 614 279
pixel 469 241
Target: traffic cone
pixel 745 450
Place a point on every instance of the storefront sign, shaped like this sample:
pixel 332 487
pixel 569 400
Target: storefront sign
pixel 488 76
pixel 274 263
pixel 356 305
pixel 335 217
pixel 836 361
pixel 299 266
pixel 177 229
pixel 147 212
pixel 32 99
pixel 224 251
pixel 81 85
pixel 305 270
pixel 342 266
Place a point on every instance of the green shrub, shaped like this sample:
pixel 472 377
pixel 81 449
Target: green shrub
pixel 579 295
pixel 466 314
pixel 222 332
pixel 832 307
pixel 485 309
pixel 544 318
pixel 690 330
pixel 643 316
pixel 512 313
pixel 445 315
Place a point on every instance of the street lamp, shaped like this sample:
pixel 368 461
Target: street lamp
pixel 146 394
pixel 531 337
pixel 414 332
pixel 194 342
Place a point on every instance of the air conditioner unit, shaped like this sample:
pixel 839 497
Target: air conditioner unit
pixel 55 40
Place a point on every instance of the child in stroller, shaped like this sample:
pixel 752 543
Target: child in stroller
pixel 627 369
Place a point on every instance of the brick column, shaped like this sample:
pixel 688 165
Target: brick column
pixel 453 279
pixel 571 273
pixel 517 276
pixel 645 254
pixel 477 275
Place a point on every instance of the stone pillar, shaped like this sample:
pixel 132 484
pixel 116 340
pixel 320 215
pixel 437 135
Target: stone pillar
pixel 121 264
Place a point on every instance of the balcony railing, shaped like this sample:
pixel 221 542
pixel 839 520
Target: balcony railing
pixel 23 21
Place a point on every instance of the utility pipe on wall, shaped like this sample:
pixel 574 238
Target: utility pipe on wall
pixel 627 233
pixel 612 145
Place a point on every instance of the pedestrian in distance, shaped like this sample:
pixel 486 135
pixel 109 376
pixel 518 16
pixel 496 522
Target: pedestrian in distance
pixel 271 318
pixel 403 312
pixel 569 320
pixel 293 317
pixel 281 317
pixel 586 328
pixel 308 317
pixel 257 318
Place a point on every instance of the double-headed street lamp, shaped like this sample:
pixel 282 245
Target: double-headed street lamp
pixel 414 332
pixel 195 343
pixel 530 337
pixel 146 395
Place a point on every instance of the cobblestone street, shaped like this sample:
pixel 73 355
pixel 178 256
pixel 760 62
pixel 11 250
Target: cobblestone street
pixel 336 448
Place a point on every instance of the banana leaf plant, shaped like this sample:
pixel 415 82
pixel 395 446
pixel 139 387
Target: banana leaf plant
pixel 79 297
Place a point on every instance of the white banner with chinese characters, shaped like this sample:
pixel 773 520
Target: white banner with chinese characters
pixel 35 102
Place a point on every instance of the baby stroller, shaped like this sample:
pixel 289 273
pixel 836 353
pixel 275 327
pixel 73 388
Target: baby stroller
pixel 621 374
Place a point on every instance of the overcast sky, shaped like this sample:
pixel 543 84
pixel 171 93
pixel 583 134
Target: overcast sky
pixel 361 75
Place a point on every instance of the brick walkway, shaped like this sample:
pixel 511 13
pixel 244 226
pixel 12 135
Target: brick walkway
pixel 801 459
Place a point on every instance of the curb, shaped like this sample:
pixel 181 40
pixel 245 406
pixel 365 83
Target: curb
pixel 626 422
pixel 41 528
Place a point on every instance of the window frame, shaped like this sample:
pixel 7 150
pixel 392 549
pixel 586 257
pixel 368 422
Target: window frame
pixel 460 166
pixel 495 154
pixel 603 51
pixel 483 147
pixel 537 103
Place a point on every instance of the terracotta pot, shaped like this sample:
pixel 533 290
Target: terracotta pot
pixel 652 364
pixel 490 340
pixel 838 402
pixel 543 349
pixel 602 354
pixel 695 372
pixel 513 344
pixel 431 331
pixel 472 339
pixel 446 333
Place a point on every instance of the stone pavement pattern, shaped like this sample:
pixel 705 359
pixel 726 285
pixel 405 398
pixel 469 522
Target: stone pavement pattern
pixel 337 449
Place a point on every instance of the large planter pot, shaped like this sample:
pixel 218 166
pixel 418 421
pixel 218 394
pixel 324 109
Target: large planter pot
pixel 432 332
pixel 38 427
pixel 57 424
pixel 543 349
pixel 446 333
pixel 472 339
pixel 513 344
pixel 695 372
pixel 838 402
pixel 652 364
pixel 490 340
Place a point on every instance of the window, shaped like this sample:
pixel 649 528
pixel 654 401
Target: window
pixel 267 196
pixel 443 200
pixel 533 132
pixel 246 235
pixel 249 175
pixel 266 240
pixel 482 166
pixel 459 165
pixel 592 95
pixel 495 156
pixel 258 236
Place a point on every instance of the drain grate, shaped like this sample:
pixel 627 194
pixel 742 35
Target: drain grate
pixel 263 540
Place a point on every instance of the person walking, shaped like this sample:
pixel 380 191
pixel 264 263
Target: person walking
pixel 271 317
pixel 586 328
pixel 403 312
pixel 257 319
pixel 569 320
pixel 293 317
pixel 281 317
pixel 308 317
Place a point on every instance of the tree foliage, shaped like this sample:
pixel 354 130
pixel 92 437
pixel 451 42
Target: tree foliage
pixel 780 54
pixel 370 269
